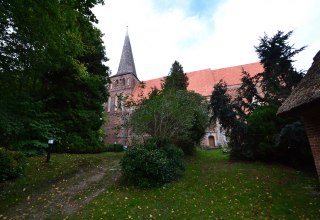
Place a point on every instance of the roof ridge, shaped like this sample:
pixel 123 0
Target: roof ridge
pixel 228 67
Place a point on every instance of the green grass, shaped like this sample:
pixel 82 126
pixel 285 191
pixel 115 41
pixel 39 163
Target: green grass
pixel 39 175
pixel 211 188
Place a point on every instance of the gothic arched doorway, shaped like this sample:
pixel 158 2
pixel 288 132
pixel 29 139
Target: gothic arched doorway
pixel 211 141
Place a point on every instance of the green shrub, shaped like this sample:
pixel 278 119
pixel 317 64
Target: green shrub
pixel 263 129
pixel 152 164
pixel 74 143
pixel 30 147
pixel 12 164
pixel 271 138
pixel 293 147
pixel 113 148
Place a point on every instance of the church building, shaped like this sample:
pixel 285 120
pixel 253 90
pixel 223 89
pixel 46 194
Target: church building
pixel 125 83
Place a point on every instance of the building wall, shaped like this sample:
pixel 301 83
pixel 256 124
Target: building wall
pixel 120 87
pixel 312 125
pixel 123 86
pixel 217 133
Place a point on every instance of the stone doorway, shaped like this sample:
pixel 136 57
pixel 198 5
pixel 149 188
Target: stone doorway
pixel 211 141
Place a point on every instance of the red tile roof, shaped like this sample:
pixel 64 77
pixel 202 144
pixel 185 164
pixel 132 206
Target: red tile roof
pixel 202 81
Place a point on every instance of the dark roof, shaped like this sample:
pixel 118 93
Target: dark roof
pixel 307 91
pixel 126 64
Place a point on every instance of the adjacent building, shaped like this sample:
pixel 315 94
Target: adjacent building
pixel 305 101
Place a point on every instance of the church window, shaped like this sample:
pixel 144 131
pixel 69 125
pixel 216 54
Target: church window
pixel 116 103
pixel 111 85
pixel 109 104
pixel 122 105
pixel 128 82
pixel 123 81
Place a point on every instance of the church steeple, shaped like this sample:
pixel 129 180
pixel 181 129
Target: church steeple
pixel 126 64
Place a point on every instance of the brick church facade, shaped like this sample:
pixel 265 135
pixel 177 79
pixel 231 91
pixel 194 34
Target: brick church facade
pixel 125 83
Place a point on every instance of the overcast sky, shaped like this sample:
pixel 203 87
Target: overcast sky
pixel 204 34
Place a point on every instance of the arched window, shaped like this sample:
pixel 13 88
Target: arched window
pixel 116 103
pixel 123 81
pixel 109 104
pixel 128 82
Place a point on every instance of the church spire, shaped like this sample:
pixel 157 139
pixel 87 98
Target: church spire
pixel 126 64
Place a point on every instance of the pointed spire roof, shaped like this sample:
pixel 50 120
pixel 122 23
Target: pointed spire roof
pixel 126 64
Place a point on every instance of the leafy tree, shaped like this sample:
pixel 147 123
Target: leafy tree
pixel 279 76
pixel 177 79
pixel 80 103
pixel 161 116
pixel 51 72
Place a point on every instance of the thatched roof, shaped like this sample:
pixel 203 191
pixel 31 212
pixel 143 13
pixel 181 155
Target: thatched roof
pixel 306 93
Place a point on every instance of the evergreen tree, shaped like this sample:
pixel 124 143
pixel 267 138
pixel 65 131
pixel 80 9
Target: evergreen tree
pixel 247 97
pixel 255 132
pixel 221 106
pixel 225 112
pixel 177 79
pixel 279 76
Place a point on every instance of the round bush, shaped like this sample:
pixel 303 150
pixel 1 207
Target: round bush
pixel 12 164
pixel 152 164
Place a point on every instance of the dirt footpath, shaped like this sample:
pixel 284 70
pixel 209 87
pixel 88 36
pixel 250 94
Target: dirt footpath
pixel 68 195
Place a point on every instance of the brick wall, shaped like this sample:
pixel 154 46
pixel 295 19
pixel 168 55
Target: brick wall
pixel 312 125
pixel 122 85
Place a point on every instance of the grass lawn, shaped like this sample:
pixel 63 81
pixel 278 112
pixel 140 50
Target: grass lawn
pixel 212 188
pixel 40 175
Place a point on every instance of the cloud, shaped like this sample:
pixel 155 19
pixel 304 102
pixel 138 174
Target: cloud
pixel 213 36
pixel 240 24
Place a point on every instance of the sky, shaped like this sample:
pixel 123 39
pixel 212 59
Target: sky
pixel 203 34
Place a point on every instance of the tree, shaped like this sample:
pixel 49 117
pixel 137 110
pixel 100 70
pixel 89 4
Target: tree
pixel 247 97
pixel 254 130
pixel 80 103
pixel 279 76
pixel 161 116
pixel 221 107
pixel 51 72
pixel 225 112
pixel 263 129
pixel 177 79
